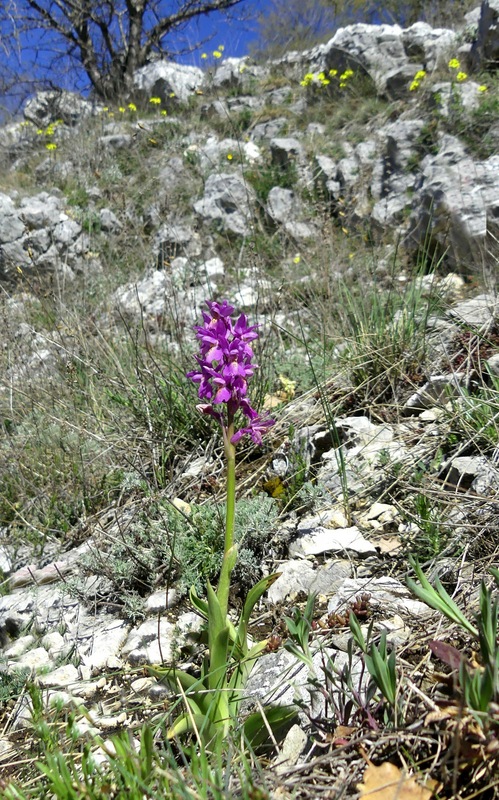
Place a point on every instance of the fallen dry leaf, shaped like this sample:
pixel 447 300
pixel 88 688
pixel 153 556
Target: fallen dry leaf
pixel 387 782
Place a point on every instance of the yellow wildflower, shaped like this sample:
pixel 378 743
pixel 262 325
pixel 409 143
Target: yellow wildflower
pixel 221 47
pixel 342 84
pixel 333 72
pixel 217 54
pixel 204 55
pixel 420 74
pixel 51 146
pixel 39 132
pixel 229 156
pixel 346 75
pixel 122 109
pixel 297 259
pixel 482 88
pixel 132 107
pixel 164 112
pixel 461 76
pixel 172 94
pixel 155 100
pixel 106 108
pixel 454 63
pixel 414 85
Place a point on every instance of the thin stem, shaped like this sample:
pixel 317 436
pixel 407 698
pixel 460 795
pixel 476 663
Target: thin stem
pixel 230 553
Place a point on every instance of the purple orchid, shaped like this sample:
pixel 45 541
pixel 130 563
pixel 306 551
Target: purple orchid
pixel 224 366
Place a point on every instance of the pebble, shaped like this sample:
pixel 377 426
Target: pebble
pixel 60 677
pixel 35 659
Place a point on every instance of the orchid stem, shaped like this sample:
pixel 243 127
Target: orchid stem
pixel 230 553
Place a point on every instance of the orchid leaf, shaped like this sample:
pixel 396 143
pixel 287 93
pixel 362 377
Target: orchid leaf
pixel 256 726
pixel 252 599
pixel 437 597
pixel 218 640
pixel 201 606
pixel 189 723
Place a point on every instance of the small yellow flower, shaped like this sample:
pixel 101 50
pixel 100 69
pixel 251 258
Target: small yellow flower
pixel 229 156
pixel 346 75
pixel 40 132
pixel 49 131
pixel 51 146
pixel 414 85
pixel 333 72
pixel 482 88
pixel 325 82
pixel 122 109
pixel 221 47
pixel 242 68
pixel 342 84
pixel 297 259
pixel 164 113
pixel 204 55
pixel 321 76
pixel 155 101
pixel 172 94
pixel 461 76
pixel 420 74
pixel 454 63
pixel 106 108
pixel 132 107
pixel 345 230
pixel 217 54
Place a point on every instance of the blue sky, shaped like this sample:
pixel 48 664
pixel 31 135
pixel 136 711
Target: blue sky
pixel 211 30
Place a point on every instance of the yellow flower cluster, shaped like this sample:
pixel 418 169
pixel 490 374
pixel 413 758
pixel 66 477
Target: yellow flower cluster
pixel 416 81
pixel 324 78
pixel 218 53
pixel 344 77
pixel 455 64
pixel 49 131
pixel 155 101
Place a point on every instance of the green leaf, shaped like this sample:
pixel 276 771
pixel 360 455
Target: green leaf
pixel 275 717
pixel 200 605
pixel 187 723
pixel 436 597
pixel 252 599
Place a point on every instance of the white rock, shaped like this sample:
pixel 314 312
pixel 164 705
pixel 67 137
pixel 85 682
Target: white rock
pixel 387 594
pixel 377 509
pixel 19 646
pixel 55 645
pixel 339 540
pixel 142 685
pixel 161 600
pixel 291 750
pixel 60 677
pixel 35 659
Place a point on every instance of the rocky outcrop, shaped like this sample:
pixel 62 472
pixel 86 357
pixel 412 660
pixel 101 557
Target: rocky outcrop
pixel 169 81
